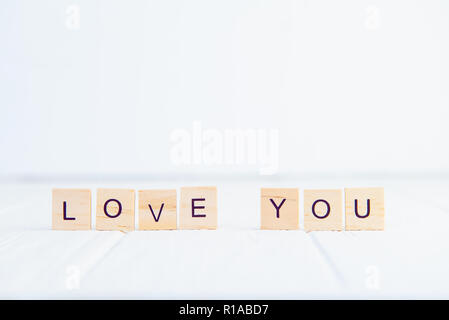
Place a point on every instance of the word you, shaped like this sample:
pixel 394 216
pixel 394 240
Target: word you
pixel 158 209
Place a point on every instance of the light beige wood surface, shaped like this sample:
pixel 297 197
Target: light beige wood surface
pixel 286 217
pixel 191 215
pixel 117 220
pixel 162 214
pixel 77 207
pixel 372 220
pixel 328 208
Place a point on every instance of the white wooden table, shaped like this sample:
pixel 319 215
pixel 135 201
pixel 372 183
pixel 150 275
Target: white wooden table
pixel 410 259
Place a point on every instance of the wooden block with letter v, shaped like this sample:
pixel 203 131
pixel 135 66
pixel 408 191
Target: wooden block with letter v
pixel 157 210
pixel 279 208
pixel 115 209
pixel 71 209
pixel 323 210
pixel 198 208
pixel 364 208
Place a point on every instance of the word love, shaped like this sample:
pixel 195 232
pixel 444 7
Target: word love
pixel 157 209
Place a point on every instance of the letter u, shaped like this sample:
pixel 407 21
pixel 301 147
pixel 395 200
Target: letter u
pixel 357 211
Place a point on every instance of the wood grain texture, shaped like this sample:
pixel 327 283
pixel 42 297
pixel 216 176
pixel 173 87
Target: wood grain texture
pixel 323 210
pixel 202 218
pixel 287 202
pixel 367 220
pixel 77 207
pixel 115 199
pixel 162 214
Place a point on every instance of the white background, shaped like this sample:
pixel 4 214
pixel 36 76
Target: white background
pixel 97 87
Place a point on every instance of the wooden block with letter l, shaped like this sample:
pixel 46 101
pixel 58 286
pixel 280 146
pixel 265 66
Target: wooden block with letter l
pixel 71 209
pixel 364 208
pixel 198 208
pixel 323 210
pixel 157 210
pixel 279 208
pixel 115 209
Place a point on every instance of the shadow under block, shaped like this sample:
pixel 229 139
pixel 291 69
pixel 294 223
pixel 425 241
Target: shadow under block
pixel 115 209
pixel 279 208
pixel 198 208
pixel 71 209
pixel 157 210
pixel 323 210
pixel 364 208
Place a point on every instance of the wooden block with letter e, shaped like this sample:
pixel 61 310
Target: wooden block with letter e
pixel 198 208
pixel 323 210
pixel 364 208
pixel 157 210
pixel 71 209
pixel 115 209
pixel 279 208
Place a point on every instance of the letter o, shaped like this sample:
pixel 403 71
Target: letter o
pixel 105 209
pixel 328 209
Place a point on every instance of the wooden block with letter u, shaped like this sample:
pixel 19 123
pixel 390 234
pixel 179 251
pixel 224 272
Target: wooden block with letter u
pixel 364 208
pixel 279 208
pixel 157 210
pixel 323 210
pixel 71 209
pixel 198 208
pixel 115 209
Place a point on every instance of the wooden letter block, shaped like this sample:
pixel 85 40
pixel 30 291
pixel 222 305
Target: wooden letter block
pixel 157 209
pixel 71 209
pixel 279 208
pixel 364 208
pixel 323 210
pixel 198 208
pixel 115 209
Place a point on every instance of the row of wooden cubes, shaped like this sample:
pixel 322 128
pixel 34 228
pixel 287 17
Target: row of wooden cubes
pixel 157 209
pixel 71 209
pixel 323 209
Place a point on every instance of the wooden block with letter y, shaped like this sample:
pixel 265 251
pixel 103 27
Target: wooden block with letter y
pixel 115 209
pixel 279 208
pixel 323 210
pixel 364 208
pixel 157 210
pixel 71 209
pixel 198 208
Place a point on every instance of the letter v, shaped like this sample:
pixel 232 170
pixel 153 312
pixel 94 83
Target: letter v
pixel 160 211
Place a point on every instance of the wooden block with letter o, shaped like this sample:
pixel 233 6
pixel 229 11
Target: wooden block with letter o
pixel 279 208
pixel 157 210
pixel 115 209
pixel 198 208
pixel 364 208
pixel 71 209
pixel 323 210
